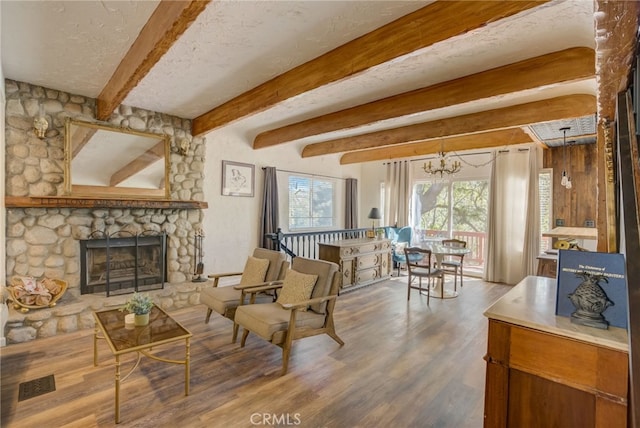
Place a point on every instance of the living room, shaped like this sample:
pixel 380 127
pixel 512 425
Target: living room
pixel 43 239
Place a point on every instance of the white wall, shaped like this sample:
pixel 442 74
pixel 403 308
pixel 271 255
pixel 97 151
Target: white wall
pixel 373 173
pixel 231 223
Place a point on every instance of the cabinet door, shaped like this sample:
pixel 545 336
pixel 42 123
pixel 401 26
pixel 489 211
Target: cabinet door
pixel 348 272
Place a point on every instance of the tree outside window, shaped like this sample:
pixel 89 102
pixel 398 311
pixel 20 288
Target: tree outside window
pixel 310 202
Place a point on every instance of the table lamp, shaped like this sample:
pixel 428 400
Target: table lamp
pixel 374 215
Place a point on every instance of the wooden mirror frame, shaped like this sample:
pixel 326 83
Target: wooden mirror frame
pixel 127 167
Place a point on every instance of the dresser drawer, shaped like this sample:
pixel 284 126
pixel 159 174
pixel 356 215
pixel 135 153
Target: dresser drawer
pixel 364 276
pixel 367 261
pixel 364 248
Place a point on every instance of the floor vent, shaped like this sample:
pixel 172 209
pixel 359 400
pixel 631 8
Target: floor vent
pixel 36 387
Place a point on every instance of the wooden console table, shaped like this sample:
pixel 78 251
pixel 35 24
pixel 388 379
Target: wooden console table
pixel 544 371
pixel 362 261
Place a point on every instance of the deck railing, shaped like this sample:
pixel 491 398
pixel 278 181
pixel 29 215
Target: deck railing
pixel 305 244
pixel 476 241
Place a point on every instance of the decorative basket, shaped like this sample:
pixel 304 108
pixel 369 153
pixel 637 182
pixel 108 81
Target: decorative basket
pixel 17 304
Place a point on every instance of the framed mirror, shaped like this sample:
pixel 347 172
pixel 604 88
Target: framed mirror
pixel 105 161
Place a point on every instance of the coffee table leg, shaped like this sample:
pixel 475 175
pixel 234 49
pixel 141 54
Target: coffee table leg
pixel 186 368
pixel 117 389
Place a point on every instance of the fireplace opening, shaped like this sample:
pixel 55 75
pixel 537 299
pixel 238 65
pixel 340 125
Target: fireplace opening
pixel 123 264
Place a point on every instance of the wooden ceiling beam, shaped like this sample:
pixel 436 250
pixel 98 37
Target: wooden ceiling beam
pixel 166 24
pixel 149 157
pixel 80 138
pixel 568 106
pixel 564 66
pixel 483 140
pixel 431 24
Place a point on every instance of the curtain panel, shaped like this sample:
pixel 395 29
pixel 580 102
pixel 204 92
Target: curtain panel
pixel 269 217
pixel 351 204
pixel 513 230
pixel 397 193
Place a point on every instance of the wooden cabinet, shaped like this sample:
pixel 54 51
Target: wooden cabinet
pixel 362 261
pixel 543 371
pixel 547 265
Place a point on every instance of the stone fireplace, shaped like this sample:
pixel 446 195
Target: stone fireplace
pixel 122 265
pixel 44 234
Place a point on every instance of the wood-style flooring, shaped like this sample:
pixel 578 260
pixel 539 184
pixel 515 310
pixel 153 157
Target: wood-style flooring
pixel 404 364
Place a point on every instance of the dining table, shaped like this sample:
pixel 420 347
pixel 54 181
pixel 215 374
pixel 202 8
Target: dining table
pixel 440 251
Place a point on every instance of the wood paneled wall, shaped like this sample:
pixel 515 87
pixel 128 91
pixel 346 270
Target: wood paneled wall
pixel 580 203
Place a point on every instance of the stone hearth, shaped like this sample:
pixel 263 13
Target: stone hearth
pixel 45 241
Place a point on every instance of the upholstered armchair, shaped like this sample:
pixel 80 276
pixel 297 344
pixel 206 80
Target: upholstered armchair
pixel 304 307
pixel 260 269
pixel 401 241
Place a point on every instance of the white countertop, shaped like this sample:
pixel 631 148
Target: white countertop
pixel 532 304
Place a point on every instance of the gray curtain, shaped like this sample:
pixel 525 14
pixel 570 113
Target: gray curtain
pixel 351 204
pixel 269 218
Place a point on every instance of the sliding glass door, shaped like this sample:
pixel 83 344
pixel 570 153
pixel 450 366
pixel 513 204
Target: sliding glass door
pixel 453 209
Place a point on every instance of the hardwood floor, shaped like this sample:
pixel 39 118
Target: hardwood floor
pixel 403 364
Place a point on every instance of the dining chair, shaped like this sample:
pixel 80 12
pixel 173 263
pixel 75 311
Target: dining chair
pixel 402 241
pixel 452 263
pixel 261 268
pixel 419 266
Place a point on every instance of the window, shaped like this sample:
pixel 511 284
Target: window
pixel 311 202
pixel 545 194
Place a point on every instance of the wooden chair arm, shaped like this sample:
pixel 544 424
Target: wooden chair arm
pixel 222 275
pixel 309 302
pixel 216 276
pixel 257 288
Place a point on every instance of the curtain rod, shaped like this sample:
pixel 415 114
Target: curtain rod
pixel 306 173
pixel 464 154
pixel 457 155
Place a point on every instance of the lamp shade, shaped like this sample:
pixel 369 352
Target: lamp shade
pixel 374 214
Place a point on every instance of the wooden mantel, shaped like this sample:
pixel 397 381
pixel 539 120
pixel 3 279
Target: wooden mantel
pixel 75 202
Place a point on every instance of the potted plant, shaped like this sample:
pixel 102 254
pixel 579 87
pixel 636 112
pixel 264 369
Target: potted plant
pixel 140 305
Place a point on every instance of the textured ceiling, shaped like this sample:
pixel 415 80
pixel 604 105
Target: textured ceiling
pixel 234 46
pixel 552 134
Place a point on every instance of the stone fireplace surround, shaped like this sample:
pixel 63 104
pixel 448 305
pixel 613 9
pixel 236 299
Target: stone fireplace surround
pixel 44 241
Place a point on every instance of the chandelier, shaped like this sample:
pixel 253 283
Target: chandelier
pixel 444 166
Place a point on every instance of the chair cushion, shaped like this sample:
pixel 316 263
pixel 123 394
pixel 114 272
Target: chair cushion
pixel 276 258
pixel 271 320
pixel 399 247
pixel 296 288
pixel 325 271
pixel 221 299
pixel 254 271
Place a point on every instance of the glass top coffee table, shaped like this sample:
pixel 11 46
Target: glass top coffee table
pixel 162 329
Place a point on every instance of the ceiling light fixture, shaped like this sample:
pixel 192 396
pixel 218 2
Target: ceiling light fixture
pixel 566 178
pixel 444 165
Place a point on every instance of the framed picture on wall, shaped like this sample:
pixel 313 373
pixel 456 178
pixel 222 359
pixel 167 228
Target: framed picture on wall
pixel 237 178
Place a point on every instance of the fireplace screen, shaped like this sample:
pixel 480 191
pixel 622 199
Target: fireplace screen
pixel 123 265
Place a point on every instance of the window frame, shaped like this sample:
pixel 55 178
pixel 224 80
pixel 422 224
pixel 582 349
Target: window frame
pixel 312 178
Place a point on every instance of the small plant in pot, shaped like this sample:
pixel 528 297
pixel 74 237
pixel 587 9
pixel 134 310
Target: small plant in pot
pixel 140 305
